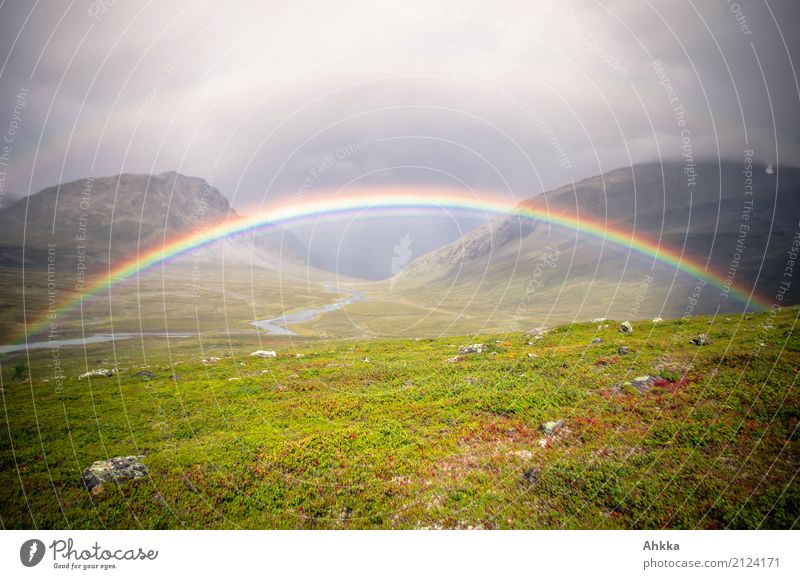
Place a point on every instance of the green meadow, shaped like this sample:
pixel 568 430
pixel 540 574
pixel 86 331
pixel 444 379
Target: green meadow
pixel 407 434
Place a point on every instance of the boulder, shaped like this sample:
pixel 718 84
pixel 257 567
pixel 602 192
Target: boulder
pixel 536 333
pixel 99 373
pixel 264 354
pixel 551 428
pixel 701 340
pixel 531 475
pixel 473 349
pixel 626 328
pixel 115 470
pixel 643 383
pixel 146 374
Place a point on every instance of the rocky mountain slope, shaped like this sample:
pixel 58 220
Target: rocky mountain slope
pixel 742 221
pixel 116 216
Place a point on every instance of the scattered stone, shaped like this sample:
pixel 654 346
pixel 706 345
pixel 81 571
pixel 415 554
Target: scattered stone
pixel 531 475
pixel 551 428
pixel 702 340
pixel 658 320
pixel 597 341
pixel 530 355
pixel 175 377
pixel 210 361
pixel 597 320
pixel 473 349
pixel 99 373
pixel 455 359
pixel 115 470
pixel 626 328
pixel 366 360
pixel 146 374
pixel 643 383
pixel 536 333
pixel 623 351
pixel 264 354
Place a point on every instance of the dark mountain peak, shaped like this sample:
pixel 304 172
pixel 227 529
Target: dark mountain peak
pixel 113 214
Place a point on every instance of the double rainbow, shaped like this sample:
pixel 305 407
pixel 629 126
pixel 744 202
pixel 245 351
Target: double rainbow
pixel 394 199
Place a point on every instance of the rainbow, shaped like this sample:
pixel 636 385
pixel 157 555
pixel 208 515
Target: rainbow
pixel 393 199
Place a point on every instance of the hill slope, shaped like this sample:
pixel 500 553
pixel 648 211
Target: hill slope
pixel 563 273
pixel 392 434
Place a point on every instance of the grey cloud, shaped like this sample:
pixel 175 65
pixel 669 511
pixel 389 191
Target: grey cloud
pixel 491 94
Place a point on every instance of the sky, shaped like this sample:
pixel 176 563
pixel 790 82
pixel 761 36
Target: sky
pixel 280 100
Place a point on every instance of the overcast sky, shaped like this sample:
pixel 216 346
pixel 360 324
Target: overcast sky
pixel 271 99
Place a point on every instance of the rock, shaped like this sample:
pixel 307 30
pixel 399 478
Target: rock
pixel 531 475
pixel 146 374
pixel 536 333
pixel 115 470
pixel 623 351
pixel 99 373
pixel 626 328
pixel 455 359
pixel 657 320
pixel 366 360
pixel 211 360
pixel 551 428
pixel 597 341
pixel 597 320
pixel 701 340
pixel 264 354
pixel 175 377
pixel 473 349
pixel 643 383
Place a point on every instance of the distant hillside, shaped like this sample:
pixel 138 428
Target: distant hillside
pixel 117 215
pixel 8 198
pixel 711 221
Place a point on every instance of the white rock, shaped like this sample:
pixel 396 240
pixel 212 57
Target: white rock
pixel 100 372
pixel 264 353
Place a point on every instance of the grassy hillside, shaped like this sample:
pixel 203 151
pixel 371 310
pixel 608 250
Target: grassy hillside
pixel 399 434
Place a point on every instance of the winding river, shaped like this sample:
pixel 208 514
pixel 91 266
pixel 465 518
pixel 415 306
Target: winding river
pixel 273 326
pixel 277 326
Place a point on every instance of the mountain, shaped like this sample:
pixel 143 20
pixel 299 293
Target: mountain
pixel 524 268
pixel 8 198
pixel 116 216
